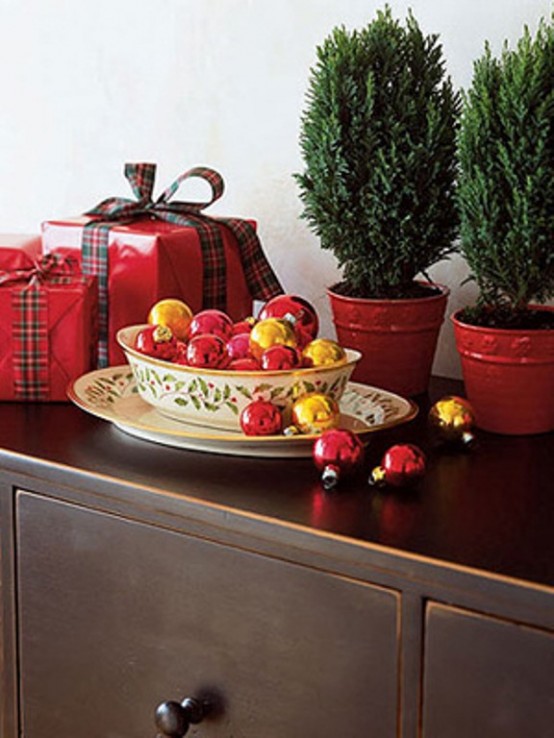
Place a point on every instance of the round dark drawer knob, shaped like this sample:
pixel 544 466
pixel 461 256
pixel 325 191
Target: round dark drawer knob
pixel 173 718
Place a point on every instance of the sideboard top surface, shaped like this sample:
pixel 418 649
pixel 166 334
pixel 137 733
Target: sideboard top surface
pixel 490 508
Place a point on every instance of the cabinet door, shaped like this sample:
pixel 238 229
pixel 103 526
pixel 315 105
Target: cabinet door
pixel 118 616
pixel 486 677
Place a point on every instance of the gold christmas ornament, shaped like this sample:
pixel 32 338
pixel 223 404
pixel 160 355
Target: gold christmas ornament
pixel 315 412
pixel 172 313
pixel 453 419
pixel 271 332
pixel 324 352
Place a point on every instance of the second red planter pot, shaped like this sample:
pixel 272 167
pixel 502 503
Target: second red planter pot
pixel 508 376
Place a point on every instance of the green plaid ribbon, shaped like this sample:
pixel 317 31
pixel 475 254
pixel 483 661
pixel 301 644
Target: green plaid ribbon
pixel 31 346
pixel 260 277
pixel 31 349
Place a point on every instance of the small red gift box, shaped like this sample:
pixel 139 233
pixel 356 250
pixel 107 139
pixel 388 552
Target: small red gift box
pixel 48 331
pixel 18 251
pixel 143 251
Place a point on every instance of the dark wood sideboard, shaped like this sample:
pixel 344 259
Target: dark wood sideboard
pixel 134 573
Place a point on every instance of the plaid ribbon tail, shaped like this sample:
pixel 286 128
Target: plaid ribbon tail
pixel 94 251
pixel 31 342
pixel 260 277
pixel 214 279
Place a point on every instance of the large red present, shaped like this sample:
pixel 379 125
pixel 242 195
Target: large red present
pixel 18 251
pixel 143 251
pixel 48 330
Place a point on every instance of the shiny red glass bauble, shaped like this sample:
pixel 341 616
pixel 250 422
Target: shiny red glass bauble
pixel 261 418
pixel 337 453
pixel 403 464
pixel 244 365
pixel 278 358
pixel 211 322
pixel 157 341
pixel 303 314
pixel 206 351
pixel 238 347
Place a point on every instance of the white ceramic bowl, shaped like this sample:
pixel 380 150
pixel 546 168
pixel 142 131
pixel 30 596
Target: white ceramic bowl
pixel 214 398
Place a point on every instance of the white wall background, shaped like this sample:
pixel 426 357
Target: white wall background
pixel 87 86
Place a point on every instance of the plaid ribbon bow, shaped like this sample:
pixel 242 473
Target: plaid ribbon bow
pixel 260 278
pixel 30 326
pixel 41 270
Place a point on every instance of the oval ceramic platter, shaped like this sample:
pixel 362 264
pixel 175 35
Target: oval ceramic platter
pixel 111 394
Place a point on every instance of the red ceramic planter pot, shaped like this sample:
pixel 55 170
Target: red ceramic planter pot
pixel 397 338
pixel 508 376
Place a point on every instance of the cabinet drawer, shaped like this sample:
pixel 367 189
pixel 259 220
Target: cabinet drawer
pixel 117 616
pixel 486 677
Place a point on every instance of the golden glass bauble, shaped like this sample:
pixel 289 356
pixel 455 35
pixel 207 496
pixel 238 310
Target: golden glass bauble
pixel 315 412
pixel 271 332
pixel 324 352
pixel 174 314
pixel 453 418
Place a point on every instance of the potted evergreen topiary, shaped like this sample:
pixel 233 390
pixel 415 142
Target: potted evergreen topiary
pixel 378 142
pixel 506 199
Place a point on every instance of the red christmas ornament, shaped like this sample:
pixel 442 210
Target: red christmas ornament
pixel 211 322
pixel 243 326
pixel 238 346
pixel 249 364
pixel 337 453
pixel 402 465
pixel 181 355
pixel 206 351
pixel 261 418
pixel 157 341
pixel 279 357
pixel 298 311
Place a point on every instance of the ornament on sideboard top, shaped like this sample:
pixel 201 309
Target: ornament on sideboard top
pixel 337 453
pixel 452 418
pixel 401 466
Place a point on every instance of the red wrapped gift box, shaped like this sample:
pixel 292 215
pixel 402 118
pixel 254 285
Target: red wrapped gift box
pixel 148 261
pixel 163 249
pixel 48 334
pixel 18 251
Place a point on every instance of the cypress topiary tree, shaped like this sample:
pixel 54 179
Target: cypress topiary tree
pixel 506 187
pixel 378 142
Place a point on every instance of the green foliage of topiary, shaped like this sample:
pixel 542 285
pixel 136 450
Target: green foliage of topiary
pixel 506 186
pixel 378 138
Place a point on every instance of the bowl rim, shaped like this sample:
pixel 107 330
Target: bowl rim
pixel 352 357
